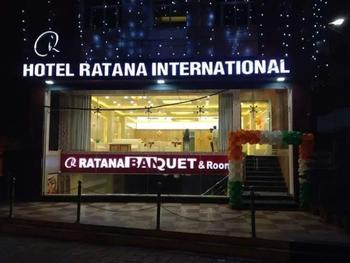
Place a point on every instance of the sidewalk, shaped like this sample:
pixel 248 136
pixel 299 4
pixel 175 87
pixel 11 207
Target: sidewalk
pixel 190 218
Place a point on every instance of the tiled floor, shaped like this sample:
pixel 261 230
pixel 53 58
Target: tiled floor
pixel 195 218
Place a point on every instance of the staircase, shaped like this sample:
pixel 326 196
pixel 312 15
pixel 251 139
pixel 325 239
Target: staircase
pixel 264 174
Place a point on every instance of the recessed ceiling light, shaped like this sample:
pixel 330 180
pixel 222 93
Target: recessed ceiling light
pixel 126 97
pixel 160 81
pixel 107 97
pixel 281 79
pixel 49 82
pixel 114 102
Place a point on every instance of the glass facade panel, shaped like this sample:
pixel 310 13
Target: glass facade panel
pixel 152 123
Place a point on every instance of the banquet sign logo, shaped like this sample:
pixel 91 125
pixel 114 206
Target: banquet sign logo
pixel 144 164
pixel 49 38
pixel 46 44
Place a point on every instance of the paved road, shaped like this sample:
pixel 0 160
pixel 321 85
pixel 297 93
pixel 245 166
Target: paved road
pixel 25 249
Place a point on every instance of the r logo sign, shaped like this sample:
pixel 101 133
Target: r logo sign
pixel 46 43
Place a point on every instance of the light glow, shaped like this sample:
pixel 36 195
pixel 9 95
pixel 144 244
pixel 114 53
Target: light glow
pixel 337 22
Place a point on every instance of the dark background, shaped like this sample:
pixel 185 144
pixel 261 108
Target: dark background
pixel 21 105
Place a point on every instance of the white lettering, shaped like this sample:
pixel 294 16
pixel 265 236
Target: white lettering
pixel 260 66
pixel 106 67
pixel 84 70
pixel 230 67
pixel 129 69
pixel 283 67
pixel 184 69
pixel 247 67
pixel 273 67
pixel 117 70
pixel 141 70
pixel 162 69
pixel 97 70
pixel 174 66
pixel 39 70
pixel 28 70
pixel 219 69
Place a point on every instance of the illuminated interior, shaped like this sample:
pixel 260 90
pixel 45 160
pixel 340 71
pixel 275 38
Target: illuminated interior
pixel 256 115
pixel 154 121
pixel 139 122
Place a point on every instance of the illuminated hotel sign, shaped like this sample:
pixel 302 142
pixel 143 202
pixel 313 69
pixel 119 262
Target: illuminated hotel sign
pixel 144 163
pixel 46 44
pixel 158 69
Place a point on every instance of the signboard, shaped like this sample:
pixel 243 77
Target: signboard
pixel 145 163
pixel 47 45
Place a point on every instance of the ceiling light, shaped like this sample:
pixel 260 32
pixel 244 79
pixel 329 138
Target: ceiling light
pixel 160 81
pixel 126 97
pixel 49 82
pixel 337 22
pixel 107 97
pixel 114 102
pixel 281 79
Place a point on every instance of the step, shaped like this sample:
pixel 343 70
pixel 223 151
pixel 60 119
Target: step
pixel 267 188
pixel 263 183
pixel 262 161
pixel 268 195
pixel 263 177
pixel 264 173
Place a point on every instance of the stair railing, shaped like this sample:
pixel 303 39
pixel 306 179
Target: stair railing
pixel 215 185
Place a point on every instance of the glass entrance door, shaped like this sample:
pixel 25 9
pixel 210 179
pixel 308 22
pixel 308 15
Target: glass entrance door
pixel 256 115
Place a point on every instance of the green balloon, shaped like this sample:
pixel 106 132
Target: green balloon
pixel 235 194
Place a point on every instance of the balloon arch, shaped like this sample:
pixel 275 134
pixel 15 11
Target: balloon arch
pixel 305 141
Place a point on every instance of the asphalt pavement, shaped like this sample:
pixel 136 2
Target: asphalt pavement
pixel 15 249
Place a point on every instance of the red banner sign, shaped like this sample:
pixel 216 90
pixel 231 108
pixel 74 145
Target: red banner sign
pixel 145 163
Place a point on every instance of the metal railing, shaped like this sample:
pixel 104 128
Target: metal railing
pixel 158 207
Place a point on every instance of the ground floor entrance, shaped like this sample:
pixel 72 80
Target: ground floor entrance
pixel 188 122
